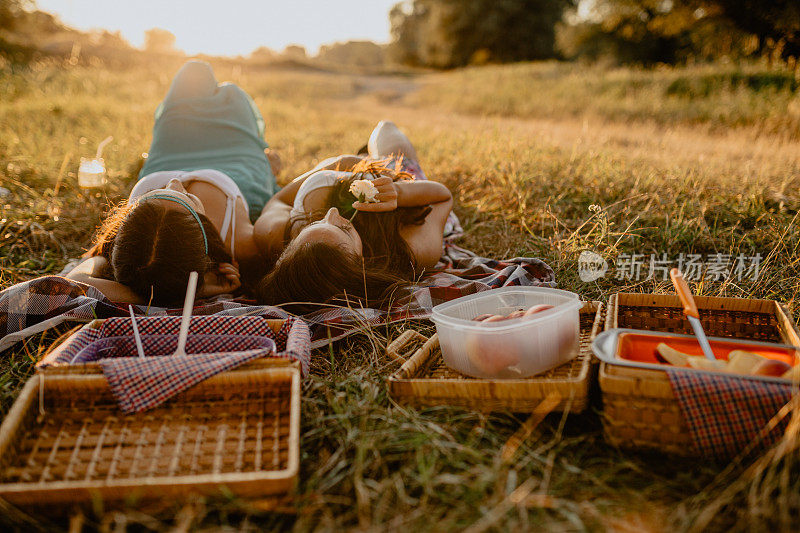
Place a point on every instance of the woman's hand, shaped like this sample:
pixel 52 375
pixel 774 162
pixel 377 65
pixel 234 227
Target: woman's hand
pixel 387 197
pixel 223 280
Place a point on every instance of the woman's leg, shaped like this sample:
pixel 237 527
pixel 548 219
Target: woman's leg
pixel 386 139
pixel 195 79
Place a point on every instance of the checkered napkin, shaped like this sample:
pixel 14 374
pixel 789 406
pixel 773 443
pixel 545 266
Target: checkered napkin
pixel 725 413
pixel 291 341
pixel 34 306
pixel 139 383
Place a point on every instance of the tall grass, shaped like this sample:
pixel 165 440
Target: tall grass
pixel 524 180
pixel 712 96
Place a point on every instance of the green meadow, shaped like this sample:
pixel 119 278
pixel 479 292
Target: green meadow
pixel 544 160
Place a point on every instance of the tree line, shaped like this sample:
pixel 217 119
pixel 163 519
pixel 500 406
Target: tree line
pixel 455 33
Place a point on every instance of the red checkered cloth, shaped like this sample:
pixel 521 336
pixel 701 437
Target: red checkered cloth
pixel 139 383
pixel 291 340
pixel 34 306
pixel 726 413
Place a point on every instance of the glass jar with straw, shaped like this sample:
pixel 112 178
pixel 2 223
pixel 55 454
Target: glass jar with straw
pixel 92 171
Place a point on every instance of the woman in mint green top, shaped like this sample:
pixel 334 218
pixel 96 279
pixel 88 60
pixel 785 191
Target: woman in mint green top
pixel 202 124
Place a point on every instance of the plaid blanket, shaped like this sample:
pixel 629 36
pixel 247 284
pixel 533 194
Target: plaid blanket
pixel 42 303
pixel 726 414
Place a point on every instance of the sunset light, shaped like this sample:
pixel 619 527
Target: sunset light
pixel 413 266
pixel 232 27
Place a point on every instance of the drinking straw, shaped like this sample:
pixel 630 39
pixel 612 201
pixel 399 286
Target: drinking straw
pixel 187 314
pixel 102 145
pixel 136 336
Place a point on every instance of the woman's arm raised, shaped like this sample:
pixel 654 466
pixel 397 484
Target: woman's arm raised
pixel 269 228
pixel 88 272
pixel 405 194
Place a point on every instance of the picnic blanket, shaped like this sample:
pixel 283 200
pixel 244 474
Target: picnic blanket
pixel 727 414
pixel 34 306
pixel 215 344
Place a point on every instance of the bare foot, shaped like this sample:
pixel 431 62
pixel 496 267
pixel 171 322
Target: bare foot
pixel 387 139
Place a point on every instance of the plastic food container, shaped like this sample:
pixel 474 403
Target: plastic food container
pixel 637 349
pixel 513 348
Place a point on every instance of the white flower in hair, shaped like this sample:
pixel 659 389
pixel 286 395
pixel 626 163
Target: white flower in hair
pixel 364 191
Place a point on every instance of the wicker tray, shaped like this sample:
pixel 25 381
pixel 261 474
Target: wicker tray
pixel 94 367
pixel 424 380
pixel 65 440
pixel 639 407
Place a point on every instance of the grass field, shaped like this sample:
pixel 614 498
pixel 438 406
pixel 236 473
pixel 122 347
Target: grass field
pixel 701 160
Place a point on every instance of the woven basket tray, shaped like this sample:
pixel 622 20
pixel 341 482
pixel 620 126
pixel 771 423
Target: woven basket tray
pixel 68 442
pixel 94 367
pixel 639 407
pixel 424 380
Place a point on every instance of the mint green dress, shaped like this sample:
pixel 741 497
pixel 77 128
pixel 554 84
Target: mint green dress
pixel 202 124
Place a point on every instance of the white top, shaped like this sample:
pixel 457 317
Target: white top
pixel 159 180
pixel 318 180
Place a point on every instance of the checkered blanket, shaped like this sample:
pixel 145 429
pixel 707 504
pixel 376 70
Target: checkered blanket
pixel 34 306
pixel 215 344
pixel 727 414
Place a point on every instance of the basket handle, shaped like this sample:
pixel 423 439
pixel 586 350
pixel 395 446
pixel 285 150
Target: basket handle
pixel 393 350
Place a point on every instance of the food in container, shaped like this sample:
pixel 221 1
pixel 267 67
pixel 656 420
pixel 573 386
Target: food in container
pixel 503 347
pixel 646 349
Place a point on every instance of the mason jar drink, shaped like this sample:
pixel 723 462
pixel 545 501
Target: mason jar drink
pixel 91 173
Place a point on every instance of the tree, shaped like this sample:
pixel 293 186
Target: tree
pixel 670 31
pixel 295 52
pixel 159 40
pixel 356 53
pixel 10 12
pixel 453 33
pixel 776 23
pixel 263 53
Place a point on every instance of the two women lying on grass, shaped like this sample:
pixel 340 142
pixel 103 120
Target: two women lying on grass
pixel 209 175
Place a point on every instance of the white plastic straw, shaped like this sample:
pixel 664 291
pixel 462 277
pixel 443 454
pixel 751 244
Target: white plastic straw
pixel 188 303
pixel 102 145
pixel 139 348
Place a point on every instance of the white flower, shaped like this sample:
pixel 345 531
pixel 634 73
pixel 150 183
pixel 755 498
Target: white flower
pixel 364 191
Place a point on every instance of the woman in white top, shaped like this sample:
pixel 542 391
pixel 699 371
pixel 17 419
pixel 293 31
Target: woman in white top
pixel 194 219
pixel 361 252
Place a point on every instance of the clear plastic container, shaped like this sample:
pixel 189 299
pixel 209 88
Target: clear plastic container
pixel 512 348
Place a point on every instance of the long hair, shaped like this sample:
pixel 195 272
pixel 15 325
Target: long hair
pixel 152 250
pixel 323 273
pixel 320 273
pixel 380 232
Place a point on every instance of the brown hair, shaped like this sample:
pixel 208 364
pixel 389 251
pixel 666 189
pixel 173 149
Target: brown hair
pixel 316 272
pixel 320 272
pixel 152 250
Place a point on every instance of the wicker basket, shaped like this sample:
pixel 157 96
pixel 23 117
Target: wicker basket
pixel 424 380
pixel 66 441
pixel 639 407
pixel 94 367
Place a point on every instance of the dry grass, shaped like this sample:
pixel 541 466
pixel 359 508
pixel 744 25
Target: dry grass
pixel 672 180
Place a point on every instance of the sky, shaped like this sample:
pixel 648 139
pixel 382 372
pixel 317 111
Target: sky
pixel 232 27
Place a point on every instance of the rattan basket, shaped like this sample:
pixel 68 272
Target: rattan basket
pixel 66 441
pixel 94 367
pixel 640 409
pixel 424 380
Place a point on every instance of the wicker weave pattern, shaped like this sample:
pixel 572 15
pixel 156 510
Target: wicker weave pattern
pixel 235 429
pixel 639 406
pixel 424 380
